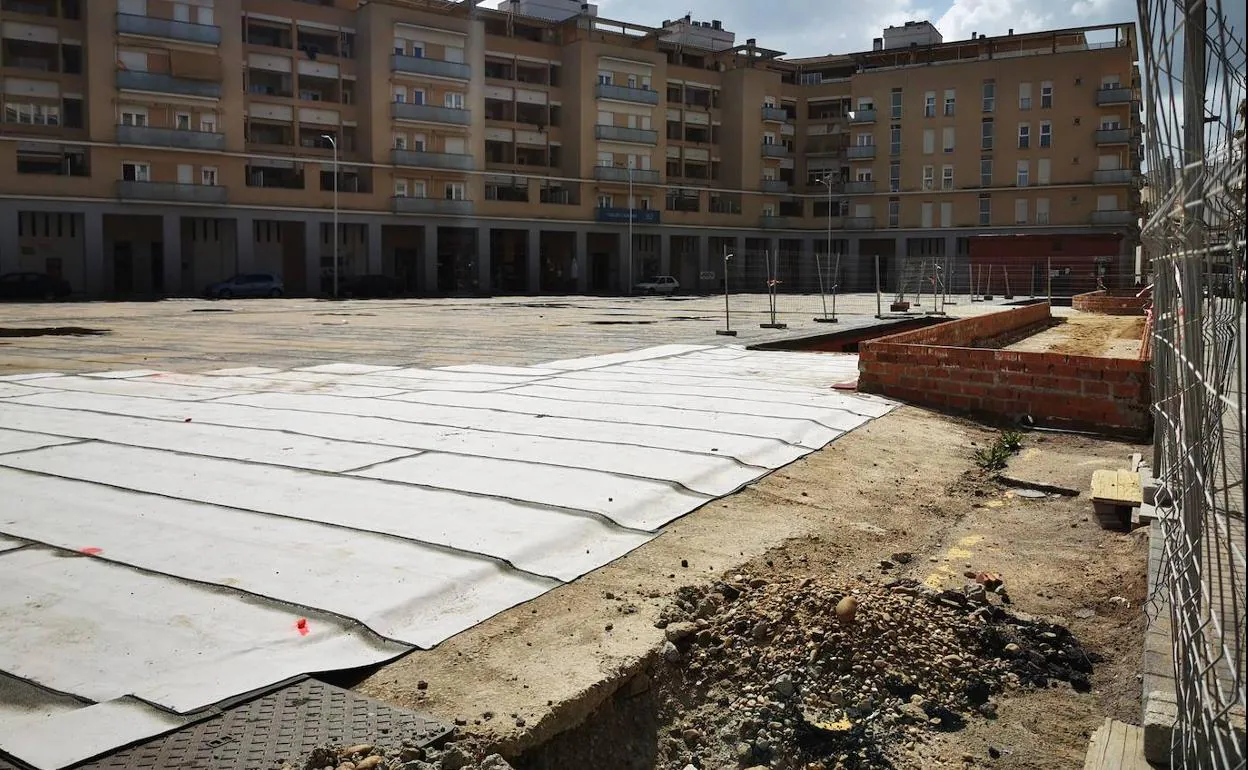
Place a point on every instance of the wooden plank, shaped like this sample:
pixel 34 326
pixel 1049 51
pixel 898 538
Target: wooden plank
pixel 1105 485
pixel 1095 758
pixel 1129 487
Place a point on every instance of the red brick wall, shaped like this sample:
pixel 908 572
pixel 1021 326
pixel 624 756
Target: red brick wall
pixel 933 367
pixel 1110 303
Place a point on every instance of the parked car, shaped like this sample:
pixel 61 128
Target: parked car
pixel 370 287
pixel 659 284
pixel 32 286
pixel 246 285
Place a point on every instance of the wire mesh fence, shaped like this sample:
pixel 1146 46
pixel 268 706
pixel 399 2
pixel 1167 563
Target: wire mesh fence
pixel 1193 236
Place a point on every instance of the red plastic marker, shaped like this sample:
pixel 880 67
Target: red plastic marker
pixel 91 550
pixel 302 625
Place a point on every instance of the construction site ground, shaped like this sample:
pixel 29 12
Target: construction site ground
pixel 1088 334
pixel 541 683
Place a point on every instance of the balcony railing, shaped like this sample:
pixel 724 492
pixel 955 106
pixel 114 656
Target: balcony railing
pixel 626 94
pixel 621 215
pixel 775 150
pixel 150 26
pixel 1114 96
pixel 404 205
pixel 1113 135
pixel 860 151
pixel 617 174
pixel 170 191
pixel 859 223
pixel 430 113
pixel 1114 176
pixel 420 159
pixel 169 137
pixel 772 222
pixel 166 84
pixel 435 67
pixel 775 115
pixel 774 186
pixel 859 188
pixel 863 116
pixel 626 134
pixel 1114 217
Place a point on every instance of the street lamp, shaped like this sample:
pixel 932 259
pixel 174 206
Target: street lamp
pixel 827 182
pixel 334 143
pixel 629 272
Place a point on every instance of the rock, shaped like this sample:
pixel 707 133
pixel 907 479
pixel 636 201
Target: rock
pixel 784 686
pixel 902 557
pixel 677 632
pixel 368 763
pixel 761 631
pixel 422 685
pixel 454 758
pixel 494 762
pixel 1085 613
pixel 321 757
pixel 994 752
pixel 346 766
pixel 359 748
pixel 691 736
pixel 846 609
pixel 670 653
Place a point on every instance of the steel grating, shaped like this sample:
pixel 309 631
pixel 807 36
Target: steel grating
pixel 283 726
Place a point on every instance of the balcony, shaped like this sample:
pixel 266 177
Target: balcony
pixel 859 188
pixel 863 116
pixel 625 134
pixel 772 222
pixel 1114 217
pixel 617 174
pixel 169 137
pixel 860 152
pixel 1113 136
pixel 402 205
pixel 775 115
pixel 170 191
pixel 420 159
pixel 859 223
pixel 428 113
pixel 150 26
pixel 775 150
pixel 1114 96
pixel 1114 176
pixel 435 67
pixel 774 186
pixel 128 80
pixel 619 215
pixel 626 94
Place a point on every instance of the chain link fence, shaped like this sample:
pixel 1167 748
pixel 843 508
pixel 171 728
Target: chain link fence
pixel 1193 238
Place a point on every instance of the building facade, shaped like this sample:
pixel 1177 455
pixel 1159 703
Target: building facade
pixel 150 147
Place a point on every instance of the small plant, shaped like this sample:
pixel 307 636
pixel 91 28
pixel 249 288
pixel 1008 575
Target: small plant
pixel 996 455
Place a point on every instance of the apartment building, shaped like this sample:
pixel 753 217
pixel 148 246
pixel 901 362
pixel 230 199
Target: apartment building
pixel 151 147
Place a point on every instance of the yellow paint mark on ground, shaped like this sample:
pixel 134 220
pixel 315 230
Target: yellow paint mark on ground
pixel 961 551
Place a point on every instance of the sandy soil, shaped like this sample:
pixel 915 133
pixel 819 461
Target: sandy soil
pixel 1088 334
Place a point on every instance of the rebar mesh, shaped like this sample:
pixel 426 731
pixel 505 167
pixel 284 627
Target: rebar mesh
pixel 1193 237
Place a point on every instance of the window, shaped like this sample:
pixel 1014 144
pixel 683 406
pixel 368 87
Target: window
pixel 946 214
pixel 894 139
pixel 1042 211
pixel 894 177
pixel 400 141
pixel 946 177
pixel 985 211
pixel 418 188
pixel 400 188
pixel 208 124
pixel 605 202
pixel 1046 95
pixel 454 100
pixel 990 96
pixel 604 78
pixel 985 133
pixel 1046 133
pixel 132 171
pixel 455 191
pixel 399 48
pixel 418 96
pixel 1042 171
pixel 770 138
pixel 925 214
pixel 865 140
pixel 133 116
pixel 632 81
pixel 182 121
pixel 1023 176
pixel 1024 96
pixel 864 175
pixel 400 95
pixel 1024 136
pixel 894 212
pixel 929 141
pixel 929 104
pixel 929 177
pixel 949 97
pixel 418 142
pixel 985 172
pixel 606 159
pixel 1020 211
pixel 208 176
pixel 895 104
pixel 947 138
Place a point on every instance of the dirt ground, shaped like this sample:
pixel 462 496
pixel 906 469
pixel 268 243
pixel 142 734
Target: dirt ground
pixel 1088 334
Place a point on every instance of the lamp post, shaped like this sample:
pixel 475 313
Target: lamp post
pixel 334 143
pixel 630 229
pixel 823 297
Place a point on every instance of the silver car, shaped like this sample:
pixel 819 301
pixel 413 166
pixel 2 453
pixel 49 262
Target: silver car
pixel 247 285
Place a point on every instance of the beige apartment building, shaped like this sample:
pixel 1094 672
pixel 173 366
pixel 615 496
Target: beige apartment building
pixel 151 147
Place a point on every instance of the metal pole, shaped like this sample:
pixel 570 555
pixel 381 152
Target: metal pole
pixel 630 230
pixel 727 331
pixel 879 307
pixel 970 277
pixel 836 282
pixel 1049 279
pixel 334 143
pixel 823 297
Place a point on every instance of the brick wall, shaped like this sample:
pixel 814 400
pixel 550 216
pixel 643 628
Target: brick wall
pixel 936 367
pixel 1110 303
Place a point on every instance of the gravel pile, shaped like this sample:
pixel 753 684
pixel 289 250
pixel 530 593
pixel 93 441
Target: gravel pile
pixel 799 673
pixel 455 753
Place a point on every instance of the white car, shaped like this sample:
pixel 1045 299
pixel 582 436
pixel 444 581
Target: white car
pixel 660 284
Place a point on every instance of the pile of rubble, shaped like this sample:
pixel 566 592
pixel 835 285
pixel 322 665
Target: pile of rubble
pixel 799 673
pixel 453 753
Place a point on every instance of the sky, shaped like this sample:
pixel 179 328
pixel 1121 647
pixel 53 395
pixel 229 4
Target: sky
pixel 818 27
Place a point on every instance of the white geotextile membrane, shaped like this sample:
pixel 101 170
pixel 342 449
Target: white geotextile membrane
pixel 187 538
